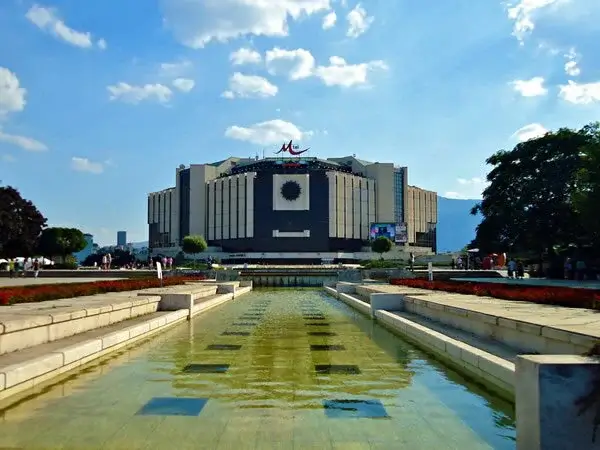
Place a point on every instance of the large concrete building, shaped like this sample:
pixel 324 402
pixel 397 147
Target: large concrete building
pixel 290 205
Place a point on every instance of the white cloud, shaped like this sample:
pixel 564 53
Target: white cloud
pixel 298 64
pixel 102 44
pixel 48 20
pixel 530 88
pixel 523 14
pixel 24 142
pixel 12 95
pixel 196 23
pixel 580 93
pixel 175 69
pixel 135 94
pixel 572 65
pixel 85 165
pixel 471 188
pixel 267 133
pixel 531 131
pixel 8 158
pixel 340 73
pixel 249 86
pixel 184 84
pixel 572 69
pixel 245 56
pixel 358 21
pixel 329 20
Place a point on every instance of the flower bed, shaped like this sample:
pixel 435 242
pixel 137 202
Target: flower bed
pixel 561 296
pixel 45 292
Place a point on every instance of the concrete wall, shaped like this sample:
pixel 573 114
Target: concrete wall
pixel 549 390
pixel 383 174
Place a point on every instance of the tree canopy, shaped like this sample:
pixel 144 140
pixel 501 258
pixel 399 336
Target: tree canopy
pixel 540 193
pixel 381 245
pixel 20 224
pixel 193 244
pixel 56 241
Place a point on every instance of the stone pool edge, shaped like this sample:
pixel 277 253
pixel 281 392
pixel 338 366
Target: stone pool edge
pixel 491 371
pixel 42 369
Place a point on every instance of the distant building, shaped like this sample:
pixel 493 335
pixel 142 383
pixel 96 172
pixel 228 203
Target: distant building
pixel 121 238
pixel 87 251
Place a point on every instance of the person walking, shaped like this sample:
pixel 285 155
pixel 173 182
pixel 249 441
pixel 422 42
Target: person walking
pixel 520 270
pixel 512 268
pixel 36 268
pixel 581 269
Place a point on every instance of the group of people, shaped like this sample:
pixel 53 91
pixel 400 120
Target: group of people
pixel 516 268
pixel 166 262
pixel 106 261
pixel 20 268
pixel 575 269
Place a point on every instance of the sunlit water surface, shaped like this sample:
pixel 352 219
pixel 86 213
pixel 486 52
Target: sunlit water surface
pixel 274 369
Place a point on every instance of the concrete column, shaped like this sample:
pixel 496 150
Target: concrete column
pixel 387 302
pixel 548 388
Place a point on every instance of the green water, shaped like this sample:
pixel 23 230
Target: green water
pixel 271 395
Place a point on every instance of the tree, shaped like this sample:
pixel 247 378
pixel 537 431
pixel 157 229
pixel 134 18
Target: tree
pixel 57 241
pixel 193 244
pixel 381 245
pixel 528 205
pixel 20 224
pixel 587 197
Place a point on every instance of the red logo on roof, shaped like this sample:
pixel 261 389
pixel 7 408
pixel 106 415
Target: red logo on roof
pixel 291 149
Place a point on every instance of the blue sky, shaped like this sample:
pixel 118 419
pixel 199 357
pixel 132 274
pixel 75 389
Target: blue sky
pixel 100 101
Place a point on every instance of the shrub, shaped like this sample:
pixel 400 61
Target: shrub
pixel 45 292
pixel 193 244
pixel 560 296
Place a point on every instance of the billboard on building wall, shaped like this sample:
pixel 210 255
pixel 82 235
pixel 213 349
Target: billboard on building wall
pixel 401 233
pixel 387 230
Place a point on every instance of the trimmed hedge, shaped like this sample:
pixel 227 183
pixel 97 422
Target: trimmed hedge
pixel 45 292
pixel 547 295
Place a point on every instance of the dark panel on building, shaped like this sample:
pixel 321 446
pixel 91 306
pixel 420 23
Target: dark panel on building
pixel 153 235
pixel 266 219
pixel 184 203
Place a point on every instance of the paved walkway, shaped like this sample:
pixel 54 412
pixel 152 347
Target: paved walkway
pixel 9 282
pixel 575 320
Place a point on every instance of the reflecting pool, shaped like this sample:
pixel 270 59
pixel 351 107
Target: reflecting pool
pixel 281 368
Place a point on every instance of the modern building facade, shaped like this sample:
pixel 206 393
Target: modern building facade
pixel 290 204
pixel 121 238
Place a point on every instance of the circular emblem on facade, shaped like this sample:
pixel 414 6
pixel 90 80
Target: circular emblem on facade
pixel 291 190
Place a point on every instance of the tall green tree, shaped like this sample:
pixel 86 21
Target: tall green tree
pixel 57 241
pixel 587 198
pixel 528 205
pixel 21 224
pixel 193 244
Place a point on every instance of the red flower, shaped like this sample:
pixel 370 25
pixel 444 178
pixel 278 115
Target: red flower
pixel 44 292
pixel 562 296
